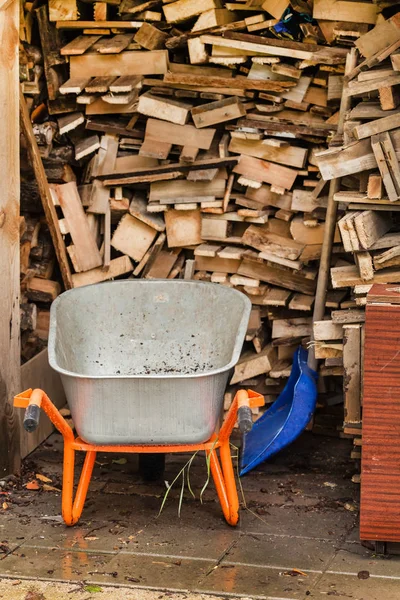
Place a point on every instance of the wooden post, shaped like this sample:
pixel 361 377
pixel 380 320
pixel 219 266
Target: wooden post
pixel 9 236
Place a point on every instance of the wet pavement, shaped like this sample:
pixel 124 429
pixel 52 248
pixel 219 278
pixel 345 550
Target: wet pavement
pixel 297 537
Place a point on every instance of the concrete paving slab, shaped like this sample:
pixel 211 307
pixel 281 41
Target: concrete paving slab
pixel 282 552
pixel 350 587
pixel 258 582
pixel 353 558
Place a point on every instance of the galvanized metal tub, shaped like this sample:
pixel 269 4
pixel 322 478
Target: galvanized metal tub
pixel 147 361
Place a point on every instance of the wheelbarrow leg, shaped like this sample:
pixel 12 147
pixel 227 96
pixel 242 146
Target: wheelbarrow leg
pixel 72 509
pixel 225 485
pixel 83 486
pixel 68 483
pixel 230 483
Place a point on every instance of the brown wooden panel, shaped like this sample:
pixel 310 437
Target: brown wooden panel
pixel 380 479
pixel 37 373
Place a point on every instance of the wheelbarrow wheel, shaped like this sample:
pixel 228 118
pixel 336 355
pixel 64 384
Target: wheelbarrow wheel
pixel 152 466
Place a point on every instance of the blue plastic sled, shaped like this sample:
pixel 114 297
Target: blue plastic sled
pixel 284 421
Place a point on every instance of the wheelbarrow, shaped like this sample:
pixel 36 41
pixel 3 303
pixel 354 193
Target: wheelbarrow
pixel 144 365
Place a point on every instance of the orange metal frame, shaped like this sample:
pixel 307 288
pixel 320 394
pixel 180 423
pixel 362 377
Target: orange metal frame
pixel 221 468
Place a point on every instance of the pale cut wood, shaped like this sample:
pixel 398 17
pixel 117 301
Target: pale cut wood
pixel 133 237
pixel 183 228
pixel 252 364
pixel 276 8
pixel 263 240
pixel 263 171
pixel 170 192
pixel 9 239
pixel 74 86
pixel 86 252
pixel 117 267
pixel 88 25
pixel 197 52
pixel 226 82
pixel 167 109
pixel 286 48
pixel 70 122
pixel 150 37
pixel 181 135
pixel 126 83
pixel 138 209
pixel 389 258
pixel 291 328
pixel 349 276
pixel 292 156
pixel 99 84
pixel 114 45
pixel 277 276
pixel 153 62
pixel 301 302
pixel 79 45
pixel 365 266
pixel 370 226
pixel 340 10
pixel 374 189
pixel 63 10
pixel 380 125
pixel 382 35
pixel 327 330
pixel 212 18
pixel 352 373
pixel 218 112
pixel 181 10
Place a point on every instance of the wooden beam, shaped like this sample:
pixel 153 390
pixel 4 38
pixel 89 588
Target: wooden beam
pixel 9 239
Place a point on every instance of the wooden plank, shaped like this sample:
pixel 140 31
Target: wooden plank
pixel 150 37
pixel 74 85
pixel 276 8
pixel 63 10
pixel 118 267
pixel 99 84
pixel 382 35
pixel 181 10
pixel 86 252
pixel 167 109
pixel 276 47
pixel 252 364
pixel 133 237
pixel 218 112
pixel 226 82
pixel 263 171
pixel 349 276
pixel 9 240
pixel 371 226
pixel 277 276
pixel 183 228
pixel 79 45
pixel 181 135
pixel 327 330
pixel 340 10
pixel 170 192
pixel 114 45
pixel 380 125
pixel 98 24
pixel 126 63
pixel 37 373
pixel 383 150
pixel 45 194
pixel 292 156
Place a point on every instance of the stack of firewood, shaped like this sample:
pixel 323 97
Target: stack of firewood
pixel 185 139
